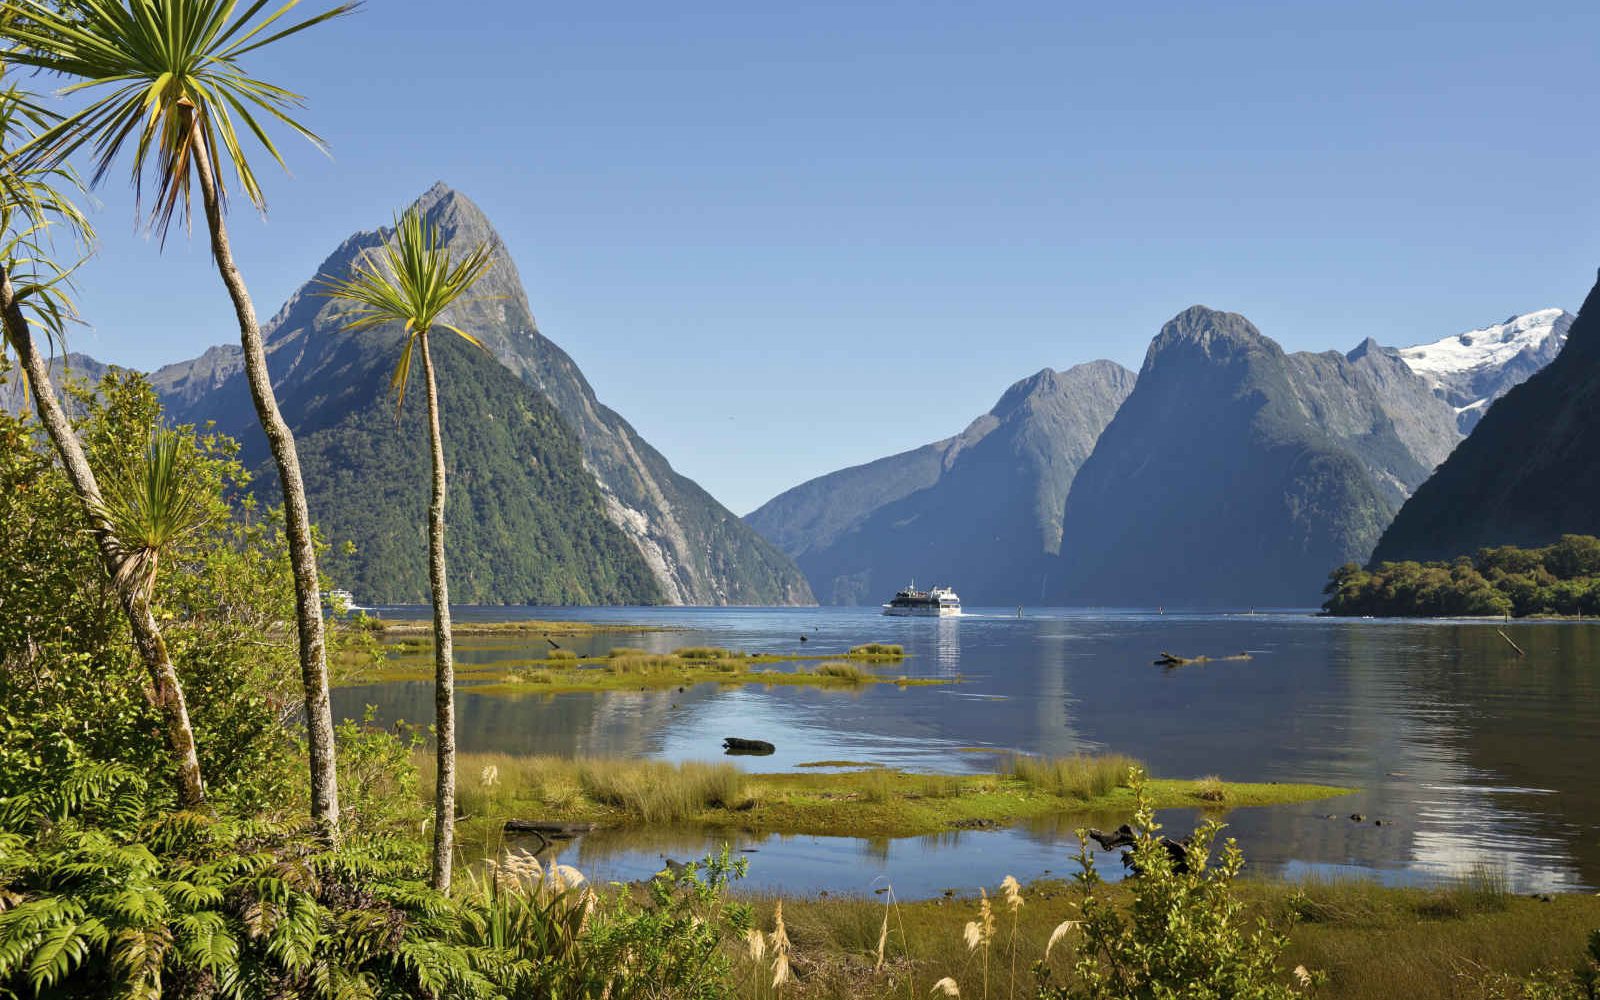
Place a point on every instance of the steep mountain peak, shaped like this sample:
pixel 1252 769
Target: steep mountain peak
pixel 1209 333
pixel 1366 347
pixel 676 542
pixel 458 218
pixel 1045 380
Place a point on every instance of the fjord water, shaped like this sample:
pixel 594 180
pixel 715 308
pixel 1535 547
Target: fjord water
pixel 1467 752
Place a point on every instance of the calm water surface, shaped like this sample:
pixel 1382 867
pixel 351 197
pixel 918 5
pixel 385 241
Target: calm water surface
pixel 1470 754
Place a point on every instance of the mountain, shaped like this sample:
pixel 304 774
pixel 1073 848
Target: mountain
pixel 73 367
pixel 981 510
pixel 509 416
pixel 1238 474
pixel 1529 472
pixel 1473 369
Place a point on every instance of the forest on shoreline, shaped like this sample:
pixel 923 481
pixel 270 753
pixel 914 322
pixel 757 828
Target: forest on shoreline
pixel 1561 579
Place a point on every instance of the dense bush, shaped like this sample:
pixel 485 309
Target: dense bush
pixel 1563 579
pixel 70 683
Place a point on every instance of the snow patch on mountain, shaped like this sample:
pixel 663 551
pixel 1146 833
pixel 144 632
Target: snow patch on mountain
pixel 1473 369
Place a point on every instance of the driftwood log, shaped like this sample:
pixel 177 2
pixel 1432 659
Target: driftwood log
pixel 1123 836
pixel 548 831
pixel 734 746
pixel 1169 660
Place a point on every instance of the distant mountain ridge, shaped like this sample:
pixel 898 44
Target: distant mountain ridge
pixel 1528 473
pixel 1236 471
pixel 693 550
pixel 981 509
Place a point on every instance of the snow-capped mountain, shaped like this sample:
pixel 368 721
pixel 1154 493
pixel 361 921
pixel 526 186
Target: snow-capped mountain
pixel 1473 369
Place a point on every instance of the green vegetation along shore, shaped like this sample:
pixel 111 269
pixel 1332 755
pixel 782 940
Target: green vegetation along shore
pixel 627 668
pixel 863 801
pixel 1465 939
pixel 1560 579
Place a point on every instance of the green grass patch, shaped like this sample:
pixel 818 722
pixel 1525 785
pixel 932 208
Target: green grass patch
pixel 865 802
pixel 843 671
pixel 1078 777
pixel 877 650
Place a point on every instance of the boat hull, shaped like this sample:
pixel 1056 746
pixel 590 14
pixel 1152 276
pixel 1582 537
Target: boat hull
pixel 928 612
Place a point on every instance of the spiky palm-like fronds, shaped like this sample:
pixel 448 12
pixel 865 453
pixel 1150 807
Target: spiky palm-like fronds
pixel 36 203
pixel 152 508
pixel 411 280
pixel 165 74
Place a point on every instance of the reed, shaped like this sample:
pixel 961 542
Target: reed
pixel 843 671
pixel 660 792
pixel 1211 789
pixel 561 654
pixel 705 653
pixel 1079 776
pixel 885 649
pixel 642 664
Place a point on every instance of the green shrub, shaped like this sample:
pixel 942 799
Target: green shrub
pixel 1184 933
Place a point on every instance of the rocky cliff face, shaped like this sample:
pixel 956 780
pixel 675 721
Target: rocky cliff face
pixel 1238 474
pixel 696 550
pixel 981 510
pixel 1530 470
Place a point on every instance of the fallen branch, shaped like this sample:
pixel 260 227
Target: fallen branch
pixel 1169 660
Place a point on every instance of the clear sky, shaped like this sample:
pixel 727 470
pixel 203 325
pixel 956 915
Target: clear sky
pixel 786 238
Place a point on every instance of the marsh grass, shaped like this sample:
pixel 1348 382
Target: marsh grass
pixel 553 787
pixel 618 651
pixel 561 654
pixel 641 664
pixel 1485 888
pixel 843 671
pixel 1078 776
pixel 661 792
pixel 887 650
pixel 1211 789
pixel 706 653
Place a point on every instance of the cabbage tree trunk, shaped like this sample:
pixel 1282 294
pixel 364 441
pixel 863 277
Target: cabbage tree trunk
pixel 147 639
pixel 297 520
pixel 444 673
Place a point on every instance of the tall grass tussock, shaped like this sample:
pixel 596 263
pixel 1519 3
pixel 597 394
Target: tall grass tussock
pixel 1079 776
pixel 660 792
pixel 876 649
pixel 843 671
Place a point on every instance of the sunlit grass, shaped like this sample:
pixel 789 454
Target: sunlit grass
pixel 1079 776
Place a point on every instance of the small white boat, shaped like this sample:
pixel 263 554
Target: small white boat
pixel 940 602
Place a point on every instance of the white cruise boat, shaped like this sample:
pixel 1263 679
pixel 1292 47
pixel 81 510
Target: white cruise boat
pixel 940 602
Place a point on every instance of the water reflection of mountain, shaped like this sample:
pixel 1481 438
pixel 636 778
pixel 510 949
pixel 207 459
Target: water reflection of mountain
pixel 623 723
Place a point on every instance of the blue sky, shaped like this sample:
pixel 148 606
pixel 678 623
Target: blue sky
pixel 786 238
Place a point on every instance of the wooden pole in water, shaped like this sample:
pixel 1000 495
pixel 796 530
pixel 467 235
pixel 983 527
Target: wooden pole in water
pixel 1514 646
